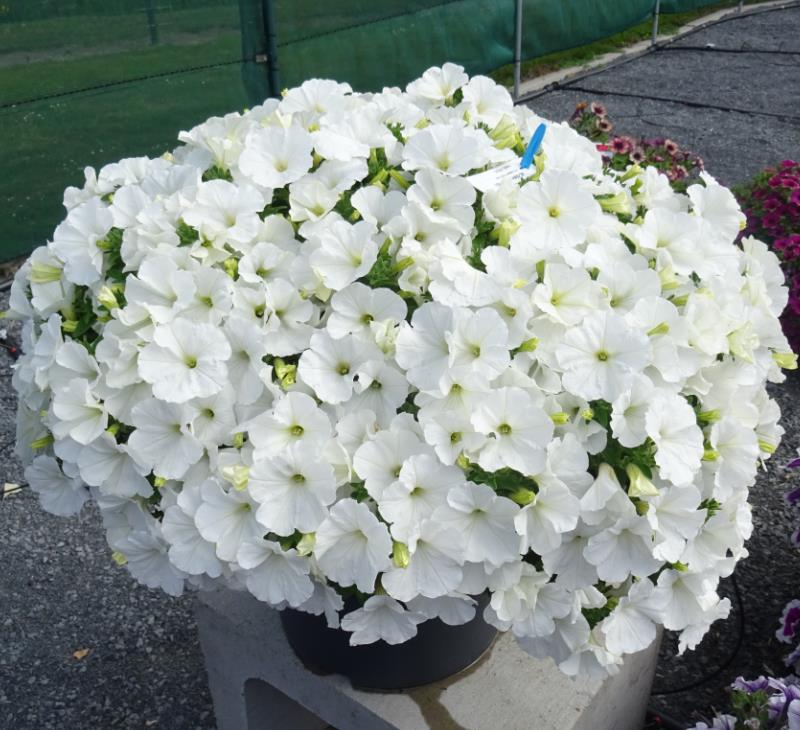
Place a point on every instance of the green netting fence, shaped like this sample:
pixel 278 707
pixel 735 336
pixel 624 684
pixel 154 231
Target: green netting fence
pixel 86 82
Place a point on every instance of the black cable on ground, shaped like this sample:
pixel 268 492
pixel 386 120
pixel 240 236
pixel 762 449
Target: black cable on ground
pixel 681 102
pixel 714 674
pixel 716 49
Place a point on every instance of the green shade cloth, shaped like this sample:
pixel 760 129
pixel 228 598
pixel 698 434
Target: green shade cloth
pixel 87 82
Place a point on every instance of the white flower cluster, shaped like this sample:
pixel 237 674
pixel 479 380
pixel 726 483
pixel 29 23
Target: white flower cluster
pixel 305 356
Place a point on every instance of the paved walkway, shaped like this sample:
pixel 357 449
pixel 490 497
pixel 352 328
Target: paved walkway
pixel 60 592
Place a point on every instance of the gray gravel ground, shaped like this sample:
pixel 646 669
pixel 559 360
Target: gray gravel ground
pixel 60 592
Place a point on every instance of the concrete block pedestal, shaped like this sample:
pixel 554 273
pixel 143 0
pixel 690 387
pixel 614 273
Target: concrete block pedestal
pixel 257 683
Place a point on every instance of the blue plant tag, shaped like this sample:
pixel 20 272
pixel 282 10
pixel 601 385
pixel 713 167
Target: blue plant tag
pixel 533 146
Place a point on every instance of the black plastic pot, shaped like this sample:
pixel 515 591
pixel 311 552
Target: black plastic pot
pixel 436 652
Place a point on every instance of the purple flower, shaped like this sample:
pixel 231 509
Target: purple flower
pixel 750 685
pixel 789 623
pixel 793 715
pixel 792 497
pixel 598 109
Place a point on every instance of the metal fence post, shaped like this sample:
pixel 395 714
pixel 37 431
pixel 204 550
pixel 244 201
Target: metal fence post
pixel 518 50
pixel 152 26
pixel 268 12
pixel 656 12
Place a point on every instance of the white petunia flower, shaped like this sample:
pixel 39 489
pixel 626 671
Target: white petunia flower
pixel 294 419
pixel 357 306
pixel 422 486
pixel 185 361
pixel 346 253
pixel 75 241
pixel 601 356
pixel 147 559
pixel 622 549
pixel 518 431
pixel 553 511
pixel 433 568
pixel 161 439
pixel 293 490
pixel 381 618
pixel 61 493
pixel 443 147
pixel 485 520
pixel 629 411
pixel 566 295
pixel 78 413
pixel 276 156
pixel 329 366
pixel 438 84
pixel 352 547
pixel 478 343
pixel 631 626
pixel 274 575
pixel 107 465
pixel 737 455
pixel 227 519
pixel 672 425
pixel 422 348
pixel 379 461
pixel 189 551
pixel 557 211
pixel 446 200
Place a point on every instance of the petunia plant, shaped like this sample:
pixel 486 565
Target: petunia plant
pixel 682 167
pixel 325 350
pixel 771 202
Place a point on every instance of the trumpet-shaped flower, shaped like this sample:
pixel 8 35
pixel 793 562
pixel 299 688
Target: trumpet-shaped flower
pixel 517 431
pixel 352 547
pixel 293 490
pixel 274 575
pixel 485 521
pixel 381 618
pixel 185 361
pixel 601 356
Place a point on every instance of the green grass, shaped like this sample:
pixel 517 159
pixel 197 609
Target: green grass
pixel 576 57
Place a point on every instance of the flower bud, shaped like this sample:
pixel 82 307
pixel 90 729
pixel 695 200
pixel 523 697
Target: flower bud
pixel 69 325
pixel 710 455
pixel 397 176
pixel 400 554
pixel 785 360
pixel 631 172
pixel 306 545
pixel 238 440
pixel 529 345
pixel 588 414
pixel 231 266
pixel 119 558
pixel 42 443
pixel 640 485
pixel 505 133
pixel 44 274
pixel 668 278
pixel 618 204
pixel 766 446
pixel 106 297
pixel 238 475
pixel 709 417
pixel 659 329
pixel 523 496
pixel 504 231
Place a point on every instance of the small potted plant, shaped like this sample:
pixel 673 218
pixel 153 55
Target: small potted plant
pixel 344 352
